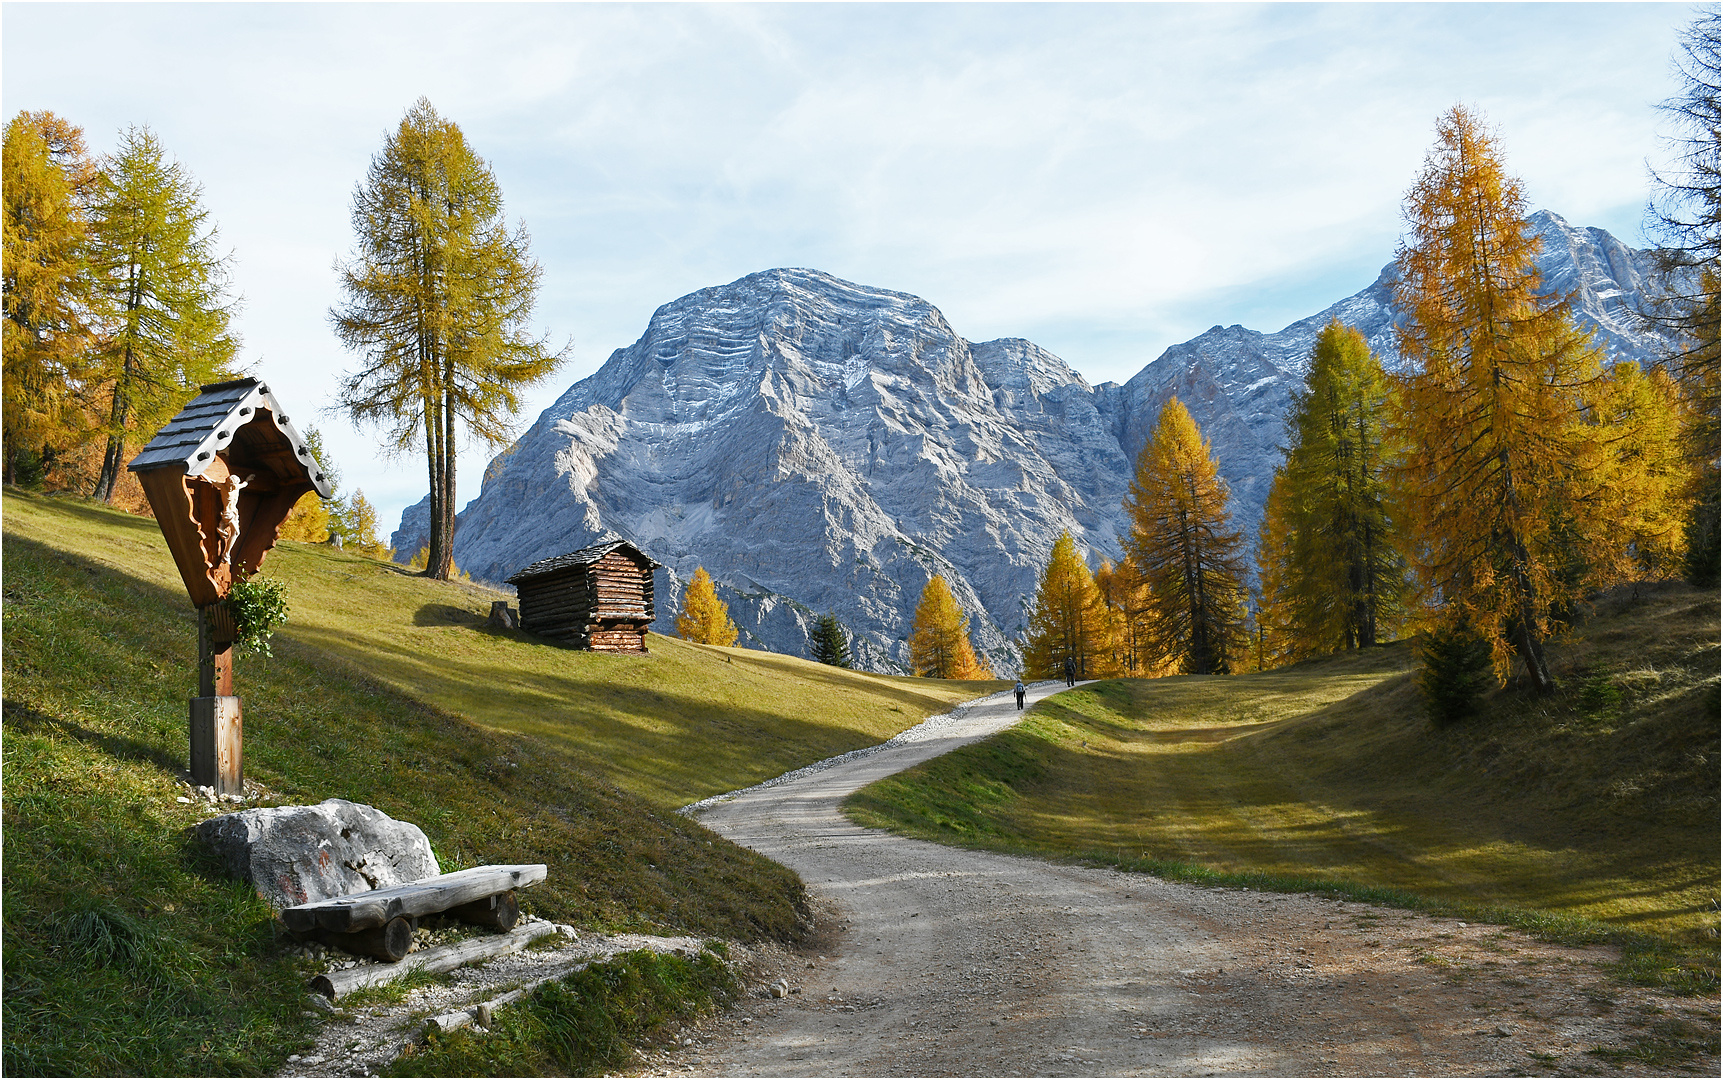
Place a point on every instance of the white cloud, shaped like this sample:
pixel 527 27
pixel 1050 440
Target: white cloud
pixel 1104 179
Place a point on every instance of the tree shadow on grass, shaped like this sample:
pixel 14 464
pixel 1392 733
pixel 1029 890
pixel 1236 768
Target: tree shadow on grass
pixel 446 615
pixel 25 719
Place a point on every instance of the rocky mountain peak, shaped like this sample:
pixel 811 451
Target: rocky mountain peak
pixel 819 445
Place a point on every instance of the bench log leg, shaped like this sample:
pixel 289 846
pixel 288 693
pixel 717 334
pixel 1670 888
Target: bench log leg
pixel 391 941
pixel 499 912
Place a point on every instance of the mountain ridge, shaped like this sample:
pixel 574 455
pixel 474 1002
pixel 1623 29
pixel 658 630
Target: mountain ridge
pixel 820 445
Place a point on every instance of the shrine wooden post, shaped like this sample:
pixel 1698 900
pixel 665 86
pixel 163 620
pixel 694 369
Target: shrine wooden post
pixel 221 477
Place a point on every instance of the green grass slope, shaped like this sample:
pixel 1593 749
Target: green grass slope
pixel 127 953
pixel 1599 803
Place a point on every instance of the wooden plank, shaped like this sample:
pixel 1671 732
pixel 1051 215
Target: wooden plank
pixel 540 611
pixel 360 911
pixel 338 984
pixel 171 501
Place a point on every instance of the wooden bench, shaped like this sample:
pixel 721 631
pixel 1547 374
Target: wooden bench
pixel 381 922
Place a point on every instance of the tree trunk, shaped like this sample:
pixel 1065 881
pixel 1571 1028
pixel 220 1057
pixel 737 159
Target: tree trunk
pixel 109 476
pixel 431 370
pixel 447 523
pixel 1530 647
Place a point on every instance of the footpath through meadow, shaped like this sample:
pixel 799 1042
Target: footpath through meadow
pixel 938 961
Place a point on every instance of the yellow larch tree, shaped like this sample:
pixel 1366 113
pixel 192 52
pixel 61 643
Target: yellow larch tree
pixel 1068 618
pixel 1278 640
pixel 1490 412
pixel 1637 469
pixel 1126 600
pixel 1185 550
pixel 939 643
pixel 47 332
pixel 705 619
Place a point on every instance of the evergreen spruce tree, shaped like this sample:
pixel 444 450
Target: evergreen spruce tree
pixel 438 296
pixel 161 295
pixel 827 642
pixel 1185 549
pixel 705 619
pixel 939 641
pixel 1331 575
pixel 1068 619
pixel 1453 672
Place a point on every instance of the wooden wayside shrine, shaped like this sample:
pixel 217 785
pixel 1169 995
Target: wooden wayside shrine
pixel 598 598
pixel 221 477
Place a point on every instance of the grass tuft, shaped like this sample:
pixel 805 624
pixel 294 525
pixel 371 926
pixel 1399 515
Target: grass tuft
pixel 101 936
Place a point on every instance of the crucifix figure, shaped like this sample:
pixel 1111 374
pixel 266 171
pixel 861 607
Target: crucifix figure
pixel 229 529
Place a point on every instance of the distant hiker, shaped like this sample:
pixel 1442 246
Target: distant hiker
pixel 1020 693
pixel 1070 672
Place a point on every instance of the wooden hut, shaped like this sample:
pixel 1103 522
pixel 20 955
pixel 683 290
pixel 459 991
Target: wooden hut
pixel 599 597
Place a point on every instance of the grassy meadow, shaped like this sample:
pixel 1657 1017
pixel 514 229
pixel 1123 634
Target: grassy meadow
pixel 686 722
pixel 126 952
pixel 1597 806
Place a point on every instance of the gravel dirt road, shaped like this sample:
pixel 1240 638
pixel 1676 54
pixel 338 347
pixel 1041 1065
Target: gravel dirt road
pixel 937 961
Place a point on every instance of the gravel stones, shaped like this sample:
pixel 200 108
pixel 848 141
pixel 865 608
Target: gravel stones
pixel 300 854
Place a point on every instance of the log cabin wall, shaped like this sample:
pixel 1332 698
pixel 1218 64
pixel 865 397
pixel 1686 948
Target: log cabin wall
pixel 604 604
pixel 556 604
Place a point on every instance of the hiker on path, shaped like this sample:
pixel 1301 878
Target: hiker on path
pixel 1070 672
pixel 1020 693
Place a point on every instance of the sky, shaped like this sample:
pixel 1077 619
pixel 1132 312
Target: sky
pixel 1106 180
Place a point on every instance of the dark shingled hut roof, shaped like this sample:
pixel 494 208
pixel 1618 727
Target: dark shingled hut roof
pixel 209 423
pixel 586 556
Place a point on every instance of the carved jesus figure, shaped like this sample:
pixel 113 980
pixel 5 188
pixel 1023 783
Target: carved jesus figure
pixel 228 532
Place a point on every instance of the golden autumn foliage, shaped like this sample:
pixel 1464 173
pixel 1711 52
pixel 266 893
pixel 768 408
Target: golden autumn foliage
pixel 308 521
pixel 1519 456
pixel 1640 474
pixel 164 295
pixel 1125 598
pixel 1068 619
pixel 1184 550
pixel 939 644
pixel 357 522
pixel 705 619
pixel 436 303
pixel 47 334
pixel 1489 411
pixel 1529 476
pixel 1278 637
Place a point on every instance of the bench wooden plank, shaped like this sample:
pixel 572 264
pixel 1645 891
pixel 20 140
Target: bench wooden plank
pixel 361 911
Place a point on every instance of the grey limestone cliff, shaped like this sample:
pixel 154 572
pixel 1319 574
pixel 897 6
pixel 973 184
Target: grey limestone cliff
pixel 819 445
